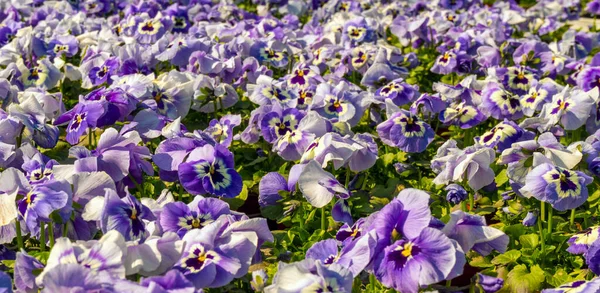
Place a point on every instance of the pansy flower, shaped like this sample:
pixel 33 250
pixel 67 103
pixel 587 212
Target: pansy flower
pixel 356 31
pixel 24 278
pixel 337 103
pixel 359 59
pixel 43 199
pixel 301 77
pixel 146 29
pixel 564 189
pixel 354 256
pixel 472 232
pixel 293 144
pixel 462 114
pixel 398 91
pixel 44 74
pixel 210 169
pixel 571 108
pixel 319 186
pixel 272 183
pixel 365 152
pixel 171 94
pixel 221 131
pixel 39 168
pixel 103 73
pixel 273 52
pixel 278 122
pixel 215 255
pixel 82 118
pixel 503 135
pixel 31 114
pixel 118 103
pixel 305 98
pixel 589 78
pixel 331 147
pixel 523 156
pixel 500 103
pixel 405 131
pixel 349 233
pixel 450 61
pixel 103 257
pixel 66 45
pixel 537 96
pixel 181 218
pixel 125 215
pixel 12 182
pixel 267 92
pixel 432 254
pixel 581 241
pixel 577 286
pixel 518 79
pixel 310 275
pixel 179 18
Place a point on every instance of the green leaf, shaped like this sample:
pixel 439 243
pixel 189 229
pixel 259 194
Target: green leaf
pixel 520 279
pixel 510 256
pixel 388 159
pixel 559 278
pixel 273 212
pixel 501 178
pixel 480 262
pixel 530 241
pixel 593 199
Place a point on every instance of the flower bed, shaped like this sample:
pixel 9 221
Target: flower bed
pixel 299 146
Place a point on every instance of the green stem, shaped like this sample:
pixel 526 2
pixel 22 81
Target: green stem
pixel 471 201
pixel 20 137
pixel 463 206
pixel 372 282
pixel 65 229
pixel 364 183
pixel 19 236
pixel 137 186
pixel 550 210
pixel 51 234
pixel 43 236
pixel 541 231
pixel 90 137
pixel 543 211
pixel 323 220
pixel 347 177
pixel 572 220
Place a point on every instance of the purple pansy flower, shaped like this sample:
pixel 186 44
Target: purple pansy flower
pixel 354 256
pixel 581 241
pixel 103 73
pixel 564 189
pixel 210 169
pixel 398 91
pixel 125 215
pixel 405 131
pixel 181 218
pixel 462 114
pixel 500 103
pixel 407 264
pixel 84 117
pixel 278 122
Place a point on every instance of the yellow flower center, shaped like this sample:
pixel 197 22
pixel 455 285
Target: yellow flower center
pixel 407 250
pixel 133 214
pixel 395 234
pixel 196 223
